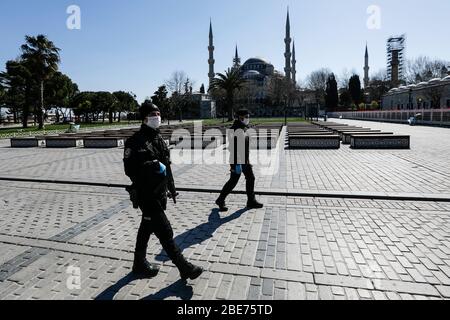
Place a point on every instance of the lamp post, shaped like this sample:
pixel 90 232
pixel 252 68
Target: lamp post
pixel 410 99
pixel 285 109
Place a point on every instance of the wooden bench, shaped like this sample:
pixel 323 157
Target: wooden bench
pixel 207 142
pixel 347 135
pixel 342 133
pixel 103 142
pixel 63 142
pixel 315 142
pixel 380 142
pixel 24 143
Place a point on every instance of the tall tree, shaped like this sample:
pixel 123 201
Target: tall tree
pixel 177 87
pixel 2 100
pixel 317 81
pixel 59 90
pixel 41 57
pixel 345 98
pixel 160 99
pixel 126 102
pixel 82 105
pixel 202 89
pixel 331 94
pixel 19 83
pixel 229 82
pixel 354 87
pixel 105 102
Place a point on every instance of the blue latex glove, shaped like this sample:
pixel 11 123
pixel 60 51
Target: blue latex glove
pixel 162 169
pixel 238 169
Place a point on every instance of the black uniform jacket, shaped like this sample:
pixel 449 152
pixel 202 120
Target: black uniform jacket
pixel 143 153
pixel 235 157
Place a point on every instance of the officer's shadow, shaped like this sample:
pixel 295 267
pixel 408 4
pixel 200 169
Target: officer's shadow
pixel 179 289
pixel 202 232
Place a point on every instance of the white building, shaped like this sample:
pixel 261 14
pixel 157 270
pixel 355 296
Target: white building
pixel 434 94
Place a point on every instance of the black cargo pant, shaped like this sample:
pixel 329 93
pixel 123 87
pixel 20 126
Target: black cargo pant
pixel 154 221
pixel 247 170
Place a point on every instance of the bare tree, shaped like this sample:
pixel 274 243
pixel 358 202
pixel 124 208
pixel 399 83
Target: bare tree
pixel 380 75
pixel 317 81
pixel 176 82
pixel 278 88
pixel 424 69
pixel 344 77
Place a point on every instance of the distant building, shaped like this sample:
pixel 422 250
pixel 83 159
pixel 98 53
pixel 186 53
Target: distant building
pixel 434 94
pixel 203 107
pixel 258 69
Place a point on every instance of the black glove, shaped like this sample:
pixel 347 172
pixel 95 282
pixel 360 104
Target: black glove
pixel 173 196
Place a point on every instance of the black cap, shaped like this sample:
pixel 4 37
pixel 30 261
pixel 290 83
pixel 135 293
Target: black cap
pixel 242 113
pixel 147 107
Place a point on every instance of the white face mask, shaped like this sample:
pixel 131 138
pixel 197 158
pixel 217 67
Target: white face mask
pixel 153 122
pixel 246 121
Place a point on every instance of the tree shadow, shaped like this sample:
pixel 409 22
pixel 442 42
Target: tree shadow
pixel 202 232
pixel 178 289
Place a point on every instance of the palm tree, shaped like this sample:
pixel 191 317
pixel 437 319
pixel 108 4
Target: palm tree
pixel 42 59
pixel 228 82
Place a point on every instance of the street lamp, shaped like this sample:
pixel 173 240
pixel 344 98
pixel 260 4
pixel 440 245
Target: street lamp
pixel 285 109
pixel 410 99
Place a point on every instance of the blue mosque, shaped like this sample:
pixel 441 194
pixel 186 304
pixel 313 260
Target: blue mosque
pixel 256 70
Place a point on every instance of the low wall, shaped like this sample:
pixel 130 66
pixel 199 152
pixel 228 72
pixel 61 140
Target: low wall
pixel 436 117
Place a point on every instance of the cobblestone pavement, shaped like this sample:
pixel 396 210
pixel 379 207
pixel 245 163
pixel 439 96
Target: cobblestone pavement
pixel 421 171
pixel 294 248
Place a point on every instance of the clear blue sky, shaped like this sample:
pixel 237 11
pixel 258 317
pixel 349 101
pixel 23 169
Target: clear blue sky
pixel 136 45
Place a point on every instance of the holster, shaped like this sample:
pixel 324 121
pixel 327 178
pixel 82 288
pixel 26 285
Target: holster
pixel 132 191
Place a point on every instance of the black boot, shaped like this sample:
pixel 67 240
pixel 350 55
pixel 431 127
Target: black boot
pixel 253 204
pixel 142 268
pixel 221 204
pixel 188 270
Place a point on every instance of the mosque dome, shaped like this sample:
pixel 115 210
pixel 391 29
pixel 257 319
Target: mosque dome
pixel 252 74
pixel 260 65
pixel 447 78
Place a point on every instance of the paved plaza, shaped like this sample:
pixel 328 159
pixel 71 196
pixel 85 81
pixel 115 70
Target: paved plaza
pixel 338 243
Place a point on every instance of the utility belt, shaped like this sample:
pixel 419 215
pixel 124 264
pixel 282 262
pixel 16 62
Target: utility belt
pixel 137 192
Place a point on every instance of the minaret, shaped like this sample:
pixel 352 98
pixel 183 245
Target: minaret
pixel 366 69
pixel 211 60
pixel 294 63
pixel 236 60
pixel 287 54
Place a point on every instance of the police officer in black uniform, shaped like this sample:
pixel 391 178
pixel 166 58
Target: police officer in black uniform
pixel 240 164
pixel 147 164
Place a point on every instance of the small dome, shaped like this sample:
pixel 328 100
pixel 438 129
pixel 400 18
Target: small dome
pixel 411 86
pixel 422 84
pixel 447 78
pixel 252 74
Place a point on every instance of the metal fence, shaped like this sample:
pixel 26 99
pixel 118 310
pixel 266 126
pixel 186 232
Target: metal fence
pixel 423 116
